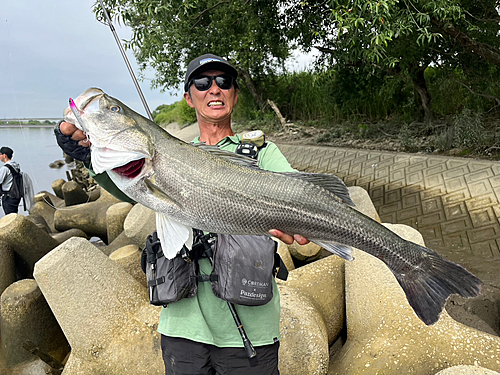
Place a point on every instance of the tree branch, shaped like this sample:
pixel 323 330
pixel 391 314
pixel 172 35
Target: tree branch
pixel 206 11
pixel 467 42
pixel 497 100
pixel 286 127
pixel 324 49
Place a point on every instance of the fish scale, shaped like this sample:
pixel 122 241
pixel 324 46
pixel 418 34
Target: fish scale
pixel 215 191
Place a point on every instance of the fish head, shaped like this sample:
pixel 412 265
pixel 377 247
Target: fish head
pixel 119 136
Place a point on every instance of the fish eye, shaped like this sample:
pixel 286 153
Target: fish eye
pixel 114 108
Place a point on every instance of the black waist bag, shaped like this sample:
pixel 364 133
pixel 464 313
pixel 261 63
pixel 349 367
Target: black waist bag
pixel 244 268
pixel 169 280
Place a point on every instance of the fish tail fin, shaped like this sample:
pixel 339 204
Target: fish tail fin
pixel 428 286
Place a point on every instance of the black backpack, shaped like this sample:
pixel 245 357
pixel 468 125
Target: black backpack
pixel 16 190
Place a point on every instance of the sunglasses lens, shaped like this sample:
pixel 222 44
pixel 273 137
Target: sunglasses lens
pixel 202 83
pixel 224 81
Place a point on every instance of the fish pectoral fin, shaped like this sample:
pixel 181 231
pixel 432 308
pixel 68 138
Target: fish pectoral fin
pixel 158 193
pixel 343 251
pixel 172 235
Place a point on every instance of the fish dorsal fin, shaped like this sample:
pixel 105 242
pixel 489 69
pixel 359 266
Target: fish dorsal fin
pixel 328 182
pixel 229 156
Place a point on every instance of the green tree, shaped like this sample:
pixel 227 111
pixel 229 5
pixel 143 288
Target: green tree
pixel 374 39
pixel 399 36
pixel 167 34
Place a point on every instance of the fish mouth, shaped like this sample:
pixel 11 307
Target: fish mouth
pixel 131 169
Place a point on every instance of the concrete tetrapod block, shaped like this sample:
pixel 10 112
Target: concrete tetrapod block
pixel 57 187
pixel 384 336
pixel 103 311
pixel 129 257
pixel 25 316
pixel 74 194
pixel 35 367
pixel 363 202
pixel 50 198
pixel 89 217
pixel 63 236
pixel 467 370
pixel 7 266
pixel 40 222
pixel 308 252
pixel 115 217
pixel 312 316
pixel 120 241
pixel 28 241
pixel 139 224
pixel 46 210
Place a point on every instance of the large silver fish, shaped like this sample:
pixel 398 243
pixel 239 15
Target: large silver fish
pixel 205 188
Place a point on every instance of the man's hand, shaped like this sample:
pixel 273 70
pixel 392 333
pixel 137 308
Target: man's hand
pixel 74 133
pixel 287 238
pixel 73 141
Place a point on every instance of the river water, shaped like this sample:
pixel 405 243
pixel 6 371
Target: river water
pixel 34 148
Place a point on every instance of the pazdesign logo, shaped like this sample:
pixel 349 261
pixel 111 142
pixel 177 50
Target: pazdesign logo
pixel 252 295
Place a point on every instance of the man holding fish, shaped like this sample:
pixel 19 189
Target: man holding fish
pixel 198 334
pixel 208 186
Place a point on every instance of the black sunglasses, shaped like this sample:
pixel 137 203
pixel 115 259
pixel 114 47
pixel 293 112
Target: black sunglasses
pixel 203 83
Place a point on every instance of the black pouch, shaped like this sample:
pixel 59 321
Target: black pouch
pixel 243 269
pixel 169 280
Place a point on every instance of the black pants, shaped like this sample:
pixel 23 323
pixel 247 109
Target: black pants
pixel 10 205
pixel 186 357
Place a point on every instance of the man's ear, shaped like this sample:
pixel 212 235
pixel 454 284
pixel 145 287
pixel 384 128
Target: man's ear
pixel 188 99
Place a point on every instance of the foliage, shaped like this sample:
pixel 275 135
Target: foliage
pixel 401 36
pixel 335 96
pixel 444 140
pixel 167 34
pixel 179 112
pixel 387 32
pixel 468 128
pixel 377 60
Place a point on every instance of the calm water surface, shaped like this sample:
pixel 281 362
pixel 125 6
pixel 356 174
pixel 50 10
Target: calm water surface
pixel 34 149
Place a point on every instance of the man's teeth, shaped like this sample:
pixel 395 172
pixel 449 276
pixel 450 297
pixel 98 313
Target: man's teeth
pixel 215 103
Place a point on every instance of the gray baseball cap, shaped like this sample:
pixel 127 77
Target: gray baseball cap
pixel 207 62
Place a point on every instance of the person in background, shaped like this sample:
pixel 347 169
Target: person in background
pixel 198 334
pixel 9 204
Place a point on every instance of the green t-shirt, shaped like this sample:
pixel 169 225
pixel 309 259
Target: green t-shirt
pixel 206 318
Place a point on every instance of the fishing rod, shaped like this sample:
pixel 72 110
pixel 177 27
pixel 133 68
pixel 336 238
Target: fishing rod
pixel 250 350
pixel 127 62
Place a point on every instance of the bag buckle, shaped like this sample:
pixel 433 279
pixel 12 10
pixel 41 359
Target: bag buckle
pixel 185 254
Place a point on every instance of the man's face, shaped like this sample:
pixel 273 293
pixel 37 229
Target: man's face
pixel 3 158
pixel 215 104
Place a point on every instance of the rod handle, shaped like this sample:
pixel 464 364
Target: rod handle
pixel 249 349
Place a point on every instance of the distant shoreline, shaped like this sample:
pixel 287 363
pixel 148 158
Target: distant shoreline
pixel 26 126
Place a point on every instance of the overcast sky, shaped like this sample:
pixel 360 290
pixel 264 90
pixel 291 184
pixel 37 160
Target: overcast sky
pixel 51 50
